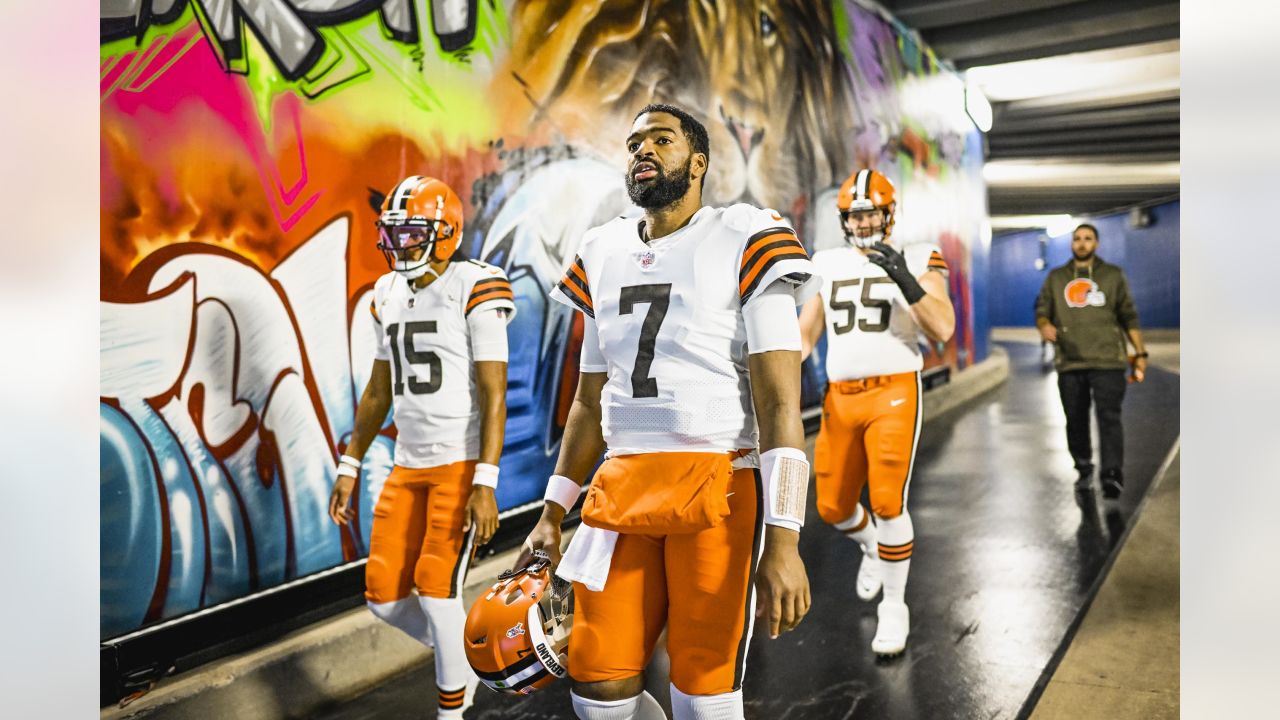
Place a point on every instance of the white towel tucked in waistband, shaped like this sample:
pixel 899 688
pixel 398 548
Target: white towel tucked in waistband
pixel 588 557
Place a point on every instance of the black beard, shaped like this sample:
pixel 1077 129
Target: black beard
pixel 1083 258
pixel 662 191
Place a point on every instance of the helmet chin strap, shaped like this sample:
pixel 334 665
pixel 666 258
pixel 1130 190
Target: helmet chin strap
pixel 415 273
pixel 419 271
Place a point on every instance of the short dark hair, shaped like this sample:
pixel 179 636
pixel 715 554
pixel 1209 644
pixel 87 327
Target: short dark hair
pixel 1087 226
pixel 693 130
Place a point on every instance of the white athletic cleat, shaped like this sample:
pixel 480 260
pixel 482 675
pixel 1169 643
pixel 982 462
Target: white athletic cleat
pixel 892 629
pixel 869 583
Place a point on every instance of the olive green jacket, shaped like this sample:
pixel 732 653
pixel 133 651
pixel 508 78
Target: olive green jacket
pixel 1092 309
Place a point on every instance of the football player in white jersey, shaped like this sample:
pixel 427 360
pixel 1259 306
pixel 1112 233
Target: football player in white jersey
pixel 691 339
pixel 441 365
pixel 874 302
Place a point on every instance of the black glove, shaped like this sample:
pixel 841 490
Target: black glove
pixel 895 266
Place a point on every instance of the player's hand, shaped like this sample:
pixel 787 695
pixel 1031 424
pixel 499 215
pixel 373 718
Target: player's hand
pixel 895 266
pixel 545 536
pixel 1049 333
pixel 887 257
pixel 782 582
pixel 481 511
pixel 340 500
pixel 1139 369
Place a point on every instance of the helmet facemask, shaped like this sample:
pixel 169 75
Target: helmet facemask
pixel 554 610
pixel 409 248
pixel 848 224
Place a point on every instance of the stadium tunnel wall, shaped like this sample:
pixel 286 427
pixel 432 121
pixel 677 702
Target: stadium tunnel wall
pixel 243 158
pixel 1149 256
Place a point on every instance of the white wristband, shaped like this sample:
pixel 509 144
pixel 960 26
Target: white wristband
pixel 346 470
pixel 349 460
pixel 562 491
pixel 785 473
pixel 486 475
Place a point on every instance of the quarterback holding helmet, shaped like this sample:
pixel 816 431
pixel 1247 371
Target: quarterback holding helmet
pixel 874 302
pixel 440 363
pixel 690 338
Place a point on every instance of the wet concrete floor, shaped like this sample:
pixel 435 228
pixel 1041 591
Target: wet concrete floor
pixel 1006 554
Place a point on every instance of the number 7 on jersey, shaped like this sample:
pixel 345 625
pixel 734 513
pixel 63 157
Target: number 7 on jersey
pixel 658 297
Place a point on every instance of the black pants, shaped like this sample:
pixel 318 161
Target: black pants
pixel 1107 389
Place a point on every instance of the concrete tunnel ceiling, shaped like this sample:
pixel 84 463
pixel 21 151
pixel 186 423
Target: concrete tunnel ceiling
pixel 1084 94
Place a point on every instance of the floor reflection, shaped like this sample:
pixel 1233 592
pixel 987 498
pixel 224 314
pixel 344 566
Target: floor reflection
pixel 1006 555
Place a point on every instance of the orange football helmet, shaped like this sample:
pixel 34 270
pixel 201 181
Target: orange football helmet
pixel 421 222
pixel 867 189
pixel 517 634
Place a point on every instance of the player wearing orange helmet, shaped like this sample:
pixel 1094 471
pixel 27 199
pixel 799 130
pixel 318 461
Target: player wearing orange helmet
pixel 690 338
pixel 440 363
pixel 875 301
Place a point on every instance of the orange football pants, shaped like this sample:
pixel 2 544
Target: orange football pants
pixel 869 433
pixel 417 539
pixel 700 585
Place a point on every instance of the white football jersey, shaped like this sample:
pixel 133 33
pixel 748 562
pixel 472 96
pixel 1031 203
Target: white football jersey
pixel 870 330
pixel 425 337
pixel 669 315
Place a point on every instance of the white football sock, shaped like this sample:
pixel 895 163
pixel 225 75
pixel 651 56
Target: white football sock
pixel 447 619
pixel 723 706
pixel 405 614
pixel 896 539
pixel 640 707
pixel 865 536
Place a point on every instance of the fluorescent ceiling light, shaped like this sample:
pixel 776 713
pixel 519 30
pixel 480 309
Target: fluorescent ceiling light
pixel 1154 65
pixel 1038 173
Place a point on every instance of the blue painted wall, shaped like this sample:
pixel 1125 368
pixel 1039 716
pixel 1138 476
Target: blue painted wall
pixel 1148 255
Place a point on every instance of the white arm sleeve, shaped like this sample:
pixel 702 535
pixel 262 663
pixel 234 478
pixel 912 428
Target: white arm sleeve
pixel 488 331
pixel 591 359
pixel 771 320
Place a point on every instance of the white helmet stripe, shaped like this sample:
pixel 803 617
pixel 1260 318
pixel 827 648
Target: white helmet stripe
pixel 860 185
pixel 401 195
pixel 542 648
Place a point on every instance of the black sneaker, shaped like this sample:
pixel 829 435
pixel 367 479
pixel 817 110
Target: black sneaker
pixel 1112 484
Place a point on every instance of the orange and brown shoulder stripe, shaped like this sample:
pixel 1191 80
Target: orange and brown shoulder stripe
pixel 373 310
pixel 764 250
pixel 936 262
pixel 575 287
pixel 490 288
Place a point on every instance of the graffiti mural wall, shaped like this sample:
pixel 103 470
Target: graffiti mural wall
pixel 245 145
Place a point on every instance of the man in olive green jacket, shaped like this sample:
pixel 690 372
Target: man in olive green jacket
pixel 1085 309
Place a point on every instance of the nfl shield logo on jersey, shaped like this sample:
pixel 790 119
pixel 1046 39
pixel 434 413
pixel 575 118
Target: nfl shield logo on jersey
pixel 645 259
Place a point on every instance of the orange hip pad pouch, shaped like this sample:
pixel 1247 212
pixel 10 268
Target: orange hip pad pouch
pixel 664 493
